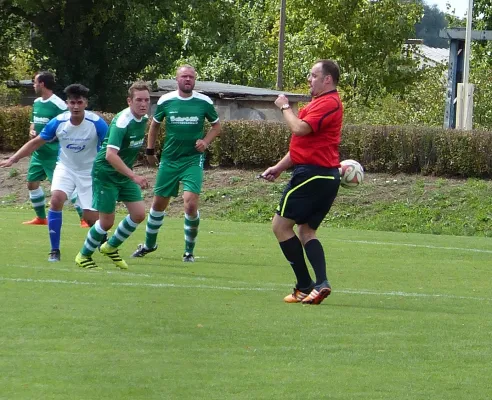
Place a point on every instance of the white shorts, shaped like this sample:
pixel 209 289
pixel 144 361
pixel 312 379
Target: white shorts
pixel 68 181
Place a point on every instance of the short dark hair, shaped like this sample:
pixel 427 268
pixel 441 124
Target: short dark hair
pixel 330 67
pixel 47 78
pixel 136 87
pixel 76 90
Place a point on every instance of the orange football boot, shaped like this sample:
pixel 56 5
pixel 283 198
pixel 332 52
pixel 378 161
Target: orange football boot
pixel 37 221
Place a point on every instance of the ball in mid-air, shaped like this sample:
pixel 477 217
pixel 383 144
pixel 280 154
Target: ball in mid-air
pixel 351 173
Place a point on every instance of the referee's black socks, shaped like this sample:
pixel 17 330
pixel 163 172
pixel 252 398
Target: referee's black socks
pixel 294 253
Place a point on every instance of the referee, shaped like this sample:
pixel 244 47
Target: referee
pixel 309 195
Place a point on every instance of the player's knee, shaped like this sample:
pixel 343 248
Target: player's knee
pixel 281 229
pixel 306 233
pixel 160 203
pixel 138 217
pixel 56 203
pixel 32 185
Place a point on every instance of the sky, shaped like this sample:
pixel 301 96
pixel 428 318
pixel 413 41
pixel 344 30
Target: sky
pixel 459 5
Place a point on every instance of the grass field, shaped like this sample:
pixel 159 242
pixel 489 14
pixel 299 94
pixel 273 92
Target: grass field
pixel 409 318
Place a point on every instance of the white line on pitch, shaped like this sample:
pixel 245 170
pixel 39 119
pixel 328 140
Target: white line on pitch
pixel 29 280
pixel 249 289
pixel 425 246
pixel 404 294
pixel 76 269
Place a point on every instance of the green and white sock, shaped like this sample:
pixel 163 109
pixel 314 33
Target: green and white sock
pixel 38 202
pixel 191 232
pixel 79 210
pixel 123 231
pixel 155 220
pixel 93 239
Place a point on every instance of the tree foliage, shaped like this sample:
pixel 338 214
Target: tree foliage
pixel 364 36
pixel 422 104
pixel 102 44
pixel 433 20
pixel 13 41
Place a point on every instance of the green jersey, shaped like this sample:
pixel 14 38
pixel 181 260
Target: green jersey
pixel 42 112
pixel 126 134
pixel 185 119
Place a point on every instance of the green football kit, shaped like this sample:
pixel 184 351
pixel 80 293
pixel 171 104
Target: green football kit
pixel 126 134
pixel 180 161
pixel 43 160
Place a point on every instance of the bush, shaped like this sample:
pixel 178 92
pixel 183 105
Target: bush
pixel 407 149
pixel 14 127
pixel 250 143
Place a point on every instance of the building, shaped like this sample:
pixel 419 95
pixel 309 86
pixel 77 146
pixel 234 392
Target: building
pixel 427 56
pixel 233 102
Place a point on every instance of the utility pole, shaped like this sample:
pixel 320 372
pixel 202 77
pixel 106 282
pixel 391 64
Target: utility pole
pixel 281 38
pixel 467 112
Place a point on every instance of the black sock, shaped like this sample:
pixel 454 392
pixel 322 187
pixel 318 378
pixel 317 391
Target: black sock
pixel 293 252
pixel 316 256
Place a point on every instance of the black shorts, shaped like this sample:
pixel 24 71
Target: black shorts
pixel 309 194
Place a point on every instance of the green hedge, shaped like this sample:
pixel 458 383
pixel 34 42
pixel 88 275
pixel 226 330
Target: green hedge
pixel 407 149
pixel 14 127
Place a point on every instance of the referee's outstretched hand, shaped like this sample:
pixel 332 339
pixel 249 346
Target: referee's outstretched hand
pixel 270 174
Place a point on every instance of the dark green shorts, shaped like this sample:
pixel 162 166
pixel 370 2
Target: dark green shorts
pixel 39 169
pixel 169 177
pixel 105 194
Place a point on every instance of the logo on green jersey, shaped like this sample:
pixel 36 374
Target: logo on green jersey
pixel 40 120
pixel 136 143
pixel 184 120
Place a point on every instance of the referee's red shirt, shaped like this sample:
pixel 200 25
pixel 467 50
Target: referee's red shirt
pixel 324 115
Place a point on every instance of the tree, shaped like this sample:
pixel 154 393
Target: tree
pixel 366 37
pixel 103 44
pixel 429 26
pixel 422 104
pixel 15 34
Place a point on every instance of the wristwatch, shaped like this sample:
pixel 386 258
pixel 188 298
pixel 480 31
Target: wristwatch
pixel 284 107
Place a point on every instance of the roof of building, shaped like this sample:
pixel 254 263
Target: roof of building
pixel 228 91
pixel 434 54
pixel 212 89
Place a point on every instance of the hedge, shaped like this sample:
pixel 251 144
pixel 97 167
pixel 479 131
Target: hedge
pixel 407 149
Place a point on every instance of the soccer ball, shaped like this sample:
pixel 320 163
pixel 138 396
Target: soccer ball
pixel 351 173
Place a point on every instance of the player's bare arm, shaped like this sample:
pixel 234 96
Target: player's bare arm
pixel 117 163
pixel 202 144
pixel 151 139
pixel 24 151
pixel 32 132
pixel 296 125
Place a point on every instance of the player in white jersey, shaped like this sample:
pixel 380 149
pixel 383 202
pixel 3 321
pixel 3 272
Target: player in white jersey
pixel 80 134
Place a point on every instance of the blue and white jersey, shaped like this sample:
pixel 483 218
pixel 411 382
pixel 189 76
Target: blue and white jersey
pixel 79 144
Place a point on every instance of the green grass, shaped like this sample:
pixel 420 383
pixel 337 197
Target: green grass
pixel 409 318
pixel 398 203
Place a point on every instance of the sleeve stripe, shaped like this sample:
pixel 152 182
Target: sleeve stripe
pixel 113 147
